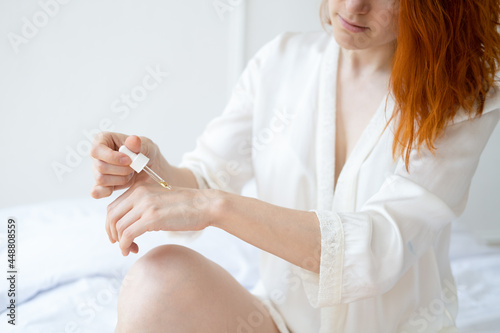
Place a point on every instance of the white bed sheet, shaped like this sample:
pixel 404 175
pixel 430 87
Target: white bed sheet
pixel 69 273
pixel 476 268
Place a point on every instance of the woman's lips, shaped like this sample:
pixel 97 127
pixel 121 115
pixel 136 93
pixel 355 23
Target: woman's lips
pixel 351 27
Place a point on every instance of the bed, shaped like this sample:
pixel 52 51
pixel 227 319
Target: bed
pixel 69 274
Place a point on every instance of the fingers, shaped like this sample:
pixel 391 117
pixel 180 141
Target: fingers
pixel 117 228
pixel 121 220
pixel 111 180
pixel 106 184
pixel 126 220
pixel 134 248
pixel 112 172
pixel 116 210
pixel 108 232
pixel 99 192
pixel 133 143
pixel 106 154
pixel 129 234
pixel 131 217
pixel 110 169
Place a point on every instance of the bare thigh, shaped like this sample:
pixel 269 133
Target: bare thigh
pixel 175 289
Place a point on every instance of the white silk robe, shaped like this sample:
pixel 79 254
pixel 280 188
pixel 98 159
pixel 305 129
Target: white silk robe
pixel 384 232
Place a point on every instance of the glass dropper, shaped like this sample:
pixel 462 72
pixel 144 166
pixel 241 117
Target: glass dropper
pixel 139 163
pixel 156 178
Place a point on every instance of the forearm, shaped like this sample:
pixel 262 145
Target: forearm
pixel 290 234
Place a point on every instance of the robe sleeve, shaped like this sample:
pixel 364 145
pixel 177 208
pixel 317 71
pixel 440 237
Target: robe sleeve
pixel 365 253
pixel 221 158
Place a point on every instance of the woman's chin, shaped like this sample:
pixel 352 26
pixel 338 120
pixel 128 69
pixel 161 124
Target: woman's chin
pixel 350 42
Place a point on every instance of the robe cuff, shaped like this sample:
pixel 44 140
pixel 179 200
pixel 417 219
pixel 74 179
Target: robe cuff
pixel 325 288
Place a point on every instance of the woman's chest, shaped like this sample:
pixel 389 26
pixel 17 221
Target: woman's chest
pixel 355 106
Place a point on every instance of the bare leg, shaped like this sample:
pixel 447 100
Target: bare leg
pixel 175 289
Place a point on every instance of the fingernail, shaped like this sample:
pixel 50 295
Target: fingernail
pixel 125 160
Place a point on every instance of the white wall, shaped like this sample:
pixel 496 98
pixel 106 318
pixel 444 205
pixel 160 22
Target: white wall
pixel 64 79
pixel 267 19
pixel 482 216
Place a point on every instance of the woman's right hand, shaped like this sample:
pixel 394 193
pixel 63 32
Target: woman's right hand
pixel 111 168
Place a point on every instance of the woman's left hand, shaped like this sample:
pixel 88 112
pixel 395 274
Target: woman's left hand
pixel 149 207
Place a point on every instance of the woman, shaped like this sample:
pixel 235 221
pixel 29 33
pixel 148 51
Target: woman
pixel 362 142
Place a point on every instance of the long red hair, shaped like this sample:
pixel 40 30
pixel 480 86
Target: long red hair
pixel 447 57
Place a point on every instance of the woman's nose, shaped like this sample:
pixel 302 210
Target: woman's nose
pixel 357 7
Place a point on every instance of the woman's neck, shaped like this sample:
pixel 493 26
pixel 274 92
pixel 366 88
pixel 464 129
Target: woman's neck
pixel 368 62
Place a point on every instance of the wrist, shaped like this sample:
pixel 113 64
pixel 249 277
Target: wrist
pixel 218 208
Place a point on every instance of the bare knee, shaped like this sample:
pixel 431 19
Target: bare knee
pixel 167 264
pixel 159 287
pixel 175 289
pixel 165 269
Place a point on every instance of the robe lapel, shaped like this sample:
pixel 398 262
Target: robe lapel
pixel 325 158
pixel 325 136
pixel 344 199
